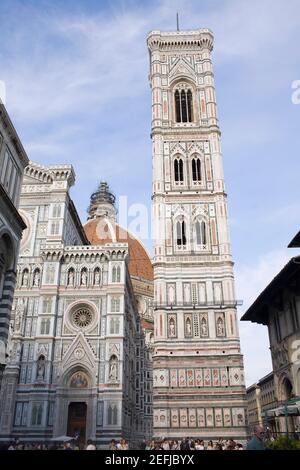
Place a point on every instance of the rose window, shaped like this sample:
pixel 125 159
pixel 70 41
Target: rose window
pixel 82 317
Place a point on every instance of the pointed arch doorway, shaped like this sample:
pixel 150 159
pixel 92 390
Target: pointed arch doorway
pixel 76 405
pixel 77 413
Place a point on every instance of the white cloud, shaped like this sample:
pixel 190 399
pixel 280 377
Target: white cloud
pixel 102 57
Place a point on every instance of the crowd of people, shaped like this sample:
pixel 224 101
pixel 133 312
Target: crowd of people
pixel 189 444
pixel 71 445
pixel 257 442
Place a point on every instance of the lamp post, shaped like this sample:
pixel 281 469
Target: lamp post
pixel 286 419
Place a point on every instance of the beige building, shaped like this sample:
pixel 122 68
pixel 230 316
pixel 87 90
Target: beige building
pixel 13 160
pixel 261 398
pixel 253 406
pixel 198 373
pixel 278 307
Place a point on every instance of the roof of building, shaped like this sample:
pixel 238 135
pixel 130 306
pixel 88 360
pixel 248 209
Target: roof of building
pixel 258 311
pixel 295 243
pixel 103 230
pixel 267 378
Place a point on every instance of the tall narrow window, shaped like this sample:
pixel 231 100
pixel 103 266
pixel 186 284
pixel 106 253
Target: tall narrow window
pixel 37 413
pixel 183 105
pixel 178 170
pixel 201 233
pixel 115 415
pixel 181 233
pixel 116 274
pixel 189 105
pixel 196 170
pixel 115 304
pixel 34 414
pixel 183 97
pixel 114 326
pixel 177 106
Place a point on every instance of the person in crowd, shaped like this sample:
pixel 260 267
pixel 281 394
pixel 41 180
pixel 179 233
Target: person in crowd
pixel 257 443
pixel 219 446
pixel 199 445
pixel 165 444
pixel 192 445
pixel 90 445
pixel 113 445
pixel 123 445
pixel 143 445
pixel 230 445
pixel 210 445
pixel 175 445
pixel 185 444
pixel 152 445
pixel 67 446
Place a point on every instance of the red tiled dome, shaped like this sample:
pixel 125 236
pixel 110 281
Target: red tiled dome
pixel 139 262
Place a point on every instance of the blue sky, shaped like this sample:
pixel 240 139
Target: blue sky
pixel 76 75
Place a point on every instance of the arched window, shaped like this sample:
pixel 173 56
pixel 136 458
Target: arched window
pixel 178 170
pixel 116 274
pixel 56 210
pixel 183 105
pixel 196 170
pixel 181 233
pixel 200 233
pixel 47 305
pixel 115 304
pixel 114 326
pixel 112 414
pixel 55 228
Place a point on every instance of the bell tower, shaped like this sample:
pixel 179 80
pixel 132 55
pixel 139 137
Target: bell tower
pixel 198 375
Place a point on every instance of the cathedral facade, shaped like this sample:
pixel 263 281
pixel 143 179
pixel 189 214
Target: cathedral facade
pixel 198 374
pixel 78 361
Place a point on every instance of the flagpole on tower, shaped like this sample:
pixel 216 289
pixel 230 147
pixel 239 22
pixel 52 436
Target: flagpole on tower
pixel 177 19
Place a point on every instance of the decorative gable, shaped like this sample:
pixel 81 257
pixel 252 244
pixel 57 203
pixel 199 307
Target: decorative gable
pixel 79 353
pixel 182 69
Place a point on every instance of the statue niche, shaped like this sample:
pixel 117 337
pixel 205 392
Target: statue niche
pixel 113 369
pixel 40 370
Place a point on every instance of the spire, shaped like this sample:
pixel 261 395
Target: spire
pixel 102 203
